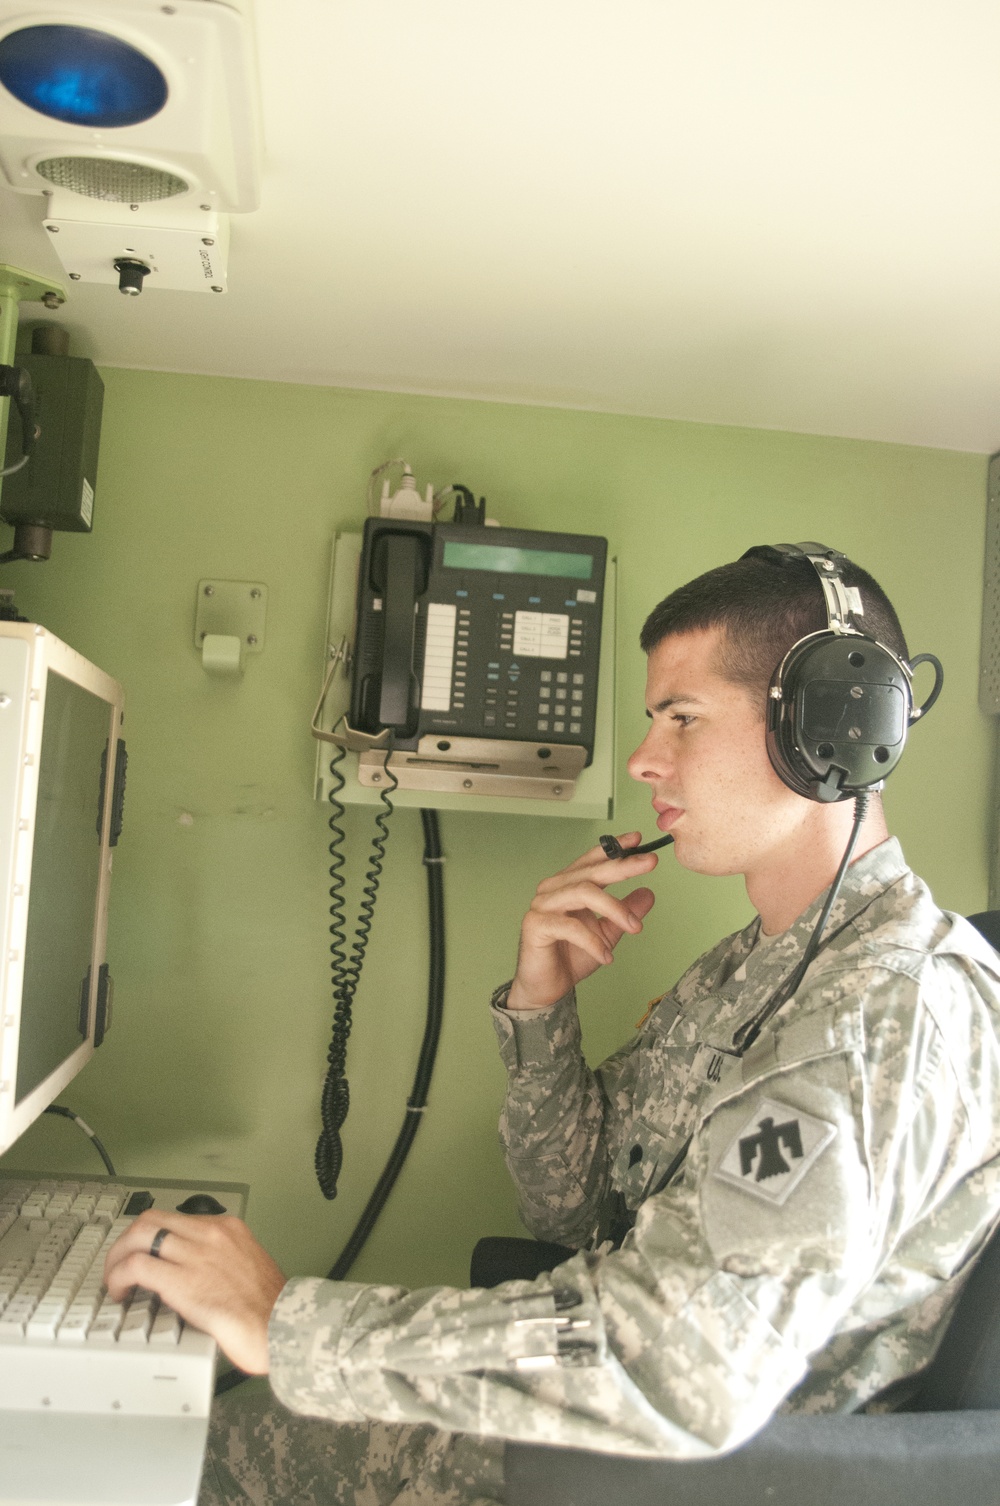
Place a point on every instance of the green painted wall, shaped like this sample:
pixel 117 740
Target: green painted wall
pixel 218 939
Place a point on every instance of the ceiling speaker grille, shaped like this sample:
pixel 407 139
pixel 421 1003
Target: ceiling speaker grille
pixel 114 182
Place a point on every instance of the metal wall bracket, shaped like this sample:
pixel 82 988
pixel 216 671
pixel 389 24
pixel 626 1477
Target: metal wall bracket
pixel 233 610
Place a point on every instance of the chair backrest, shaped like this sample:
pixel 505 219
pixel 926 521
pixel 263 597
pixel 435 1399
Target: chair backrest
pixel 987 923
pixel 964 1375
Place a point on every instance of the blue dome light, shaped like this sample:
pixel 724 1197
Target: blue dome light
pixel 81 76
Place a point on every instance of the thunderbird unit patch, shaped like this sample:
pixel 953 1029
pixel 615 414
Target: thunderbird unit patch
pixel 773 1151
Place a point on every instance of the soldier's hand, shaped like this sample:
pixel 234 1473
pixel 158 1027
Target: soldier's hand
pixel 211 1270
pixel 574 925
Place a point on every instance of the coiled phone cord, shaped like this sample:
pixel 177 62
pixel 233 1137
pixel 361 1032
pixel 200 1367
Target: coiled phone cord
pixel 433 862
pixel 346 970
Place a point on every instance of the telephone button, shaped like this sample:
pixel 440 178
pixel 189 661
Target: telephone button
pixel 562 677
pixel 578 679
pixel 543 726
pixel 574 726
pixel 559 726
pixel 546 676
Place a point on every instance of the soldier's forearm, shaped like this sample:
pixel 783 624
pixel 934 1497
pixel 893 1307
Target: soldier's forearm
pixel 553 1124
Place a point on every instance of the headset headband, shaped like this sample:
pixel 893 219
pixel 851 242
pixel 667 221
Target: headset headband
pixel 842 601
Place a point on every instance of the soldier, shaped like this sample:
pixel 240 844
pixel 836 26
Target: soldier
pixel 769 1197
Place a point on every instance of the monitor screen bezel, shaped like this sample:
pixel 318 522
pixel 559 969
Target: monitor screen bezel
pixel 18 804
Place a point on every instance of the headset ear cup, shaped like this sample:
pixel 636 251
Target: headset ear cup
pixel 779 736
pixel 839 722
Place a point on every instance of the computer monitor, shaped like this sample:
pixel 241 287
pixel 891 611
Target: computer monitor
pixel 62 776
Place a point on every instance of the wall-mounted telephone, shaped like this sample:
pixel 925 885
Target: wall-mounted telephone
pixel 479 649
pixel 462 659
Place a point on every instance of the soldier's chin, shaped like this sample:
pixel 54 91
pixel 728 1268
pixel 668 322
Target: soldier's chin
pixel 690 854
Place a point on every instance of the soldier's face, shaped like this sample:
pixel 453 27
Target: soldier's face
pixel 705 761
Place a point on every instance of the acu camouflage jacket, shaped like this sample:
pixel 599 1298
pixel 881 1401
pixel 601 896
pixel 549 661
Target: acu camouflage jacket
pixel 806 1251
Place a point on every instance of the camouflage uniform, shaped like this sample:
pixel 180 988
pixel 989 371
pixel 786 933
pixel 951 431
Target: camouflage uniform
pixel 804 1253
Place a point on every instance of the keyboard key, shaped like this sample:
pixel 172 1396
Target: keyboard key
pixel 138 1203
pixel 139 1318
pixel 74 1327
pixel 45 1320
pixel 166 1329
pixel 109 1319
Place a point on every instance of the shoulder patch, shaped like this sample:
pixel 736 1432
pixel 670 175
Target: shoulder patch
pixel 774 1150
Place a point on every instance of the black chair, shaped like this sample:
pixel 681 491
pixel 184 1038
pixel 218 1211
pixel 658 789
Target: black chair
pixel 944 1449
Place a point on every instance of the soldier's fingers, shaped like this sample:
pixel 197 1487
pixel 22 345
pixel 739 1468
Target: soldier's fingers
pixel 586 895
pixel 639 903
pixel 138 1268
pixel 559 929
pixel 600 869
pixel 185 1239
pixel 593 858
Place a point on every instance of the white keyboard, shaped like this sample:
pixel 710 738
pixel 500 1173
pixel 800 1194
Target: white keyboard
pixel 65 1346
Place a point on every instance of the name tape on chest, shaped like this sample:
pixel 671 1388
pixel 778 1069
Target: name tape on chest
pixel 774 1151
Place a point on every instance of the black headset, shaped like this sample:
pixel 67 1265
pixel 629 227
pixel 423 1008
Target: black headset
pixel 840 703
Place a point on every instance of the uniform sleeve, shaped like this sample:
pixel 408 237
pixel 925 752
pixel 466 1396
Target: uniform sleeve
pixel 809 1165
pixel 559 1120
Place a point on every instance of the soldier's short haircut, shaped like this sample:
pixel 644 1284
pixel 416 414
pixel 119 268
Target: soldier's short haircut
pixel 764 605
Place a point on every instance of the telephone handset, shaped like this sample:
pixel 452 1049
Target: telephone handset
pixel 398 568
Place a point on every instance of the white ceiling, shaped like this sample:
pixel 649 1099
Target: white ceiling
pixel 777 213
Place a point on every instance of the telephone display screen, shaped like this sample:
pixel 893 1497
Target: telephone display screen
pixel 504 560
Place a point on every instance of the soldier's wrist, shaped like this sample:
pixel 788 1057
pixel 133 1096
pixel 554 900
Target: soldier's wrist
pixel 519 1001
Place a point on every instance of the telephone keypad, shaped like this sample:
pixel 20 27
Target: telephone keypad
pixel 524 630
